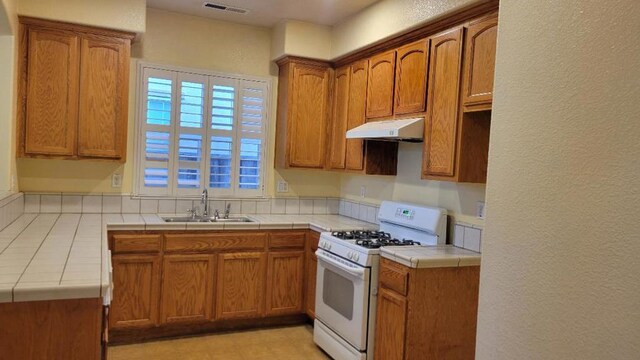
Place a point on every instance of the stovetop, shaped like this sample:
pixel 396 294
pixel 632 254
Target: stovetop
pixel 371 239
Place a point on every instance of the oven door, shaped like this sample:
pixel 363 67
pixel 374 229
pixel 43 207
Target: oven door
pixel 342 298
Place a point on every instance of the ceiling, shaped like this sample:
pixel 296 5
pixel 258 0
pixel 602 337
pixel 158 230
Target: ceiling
pixel 269 12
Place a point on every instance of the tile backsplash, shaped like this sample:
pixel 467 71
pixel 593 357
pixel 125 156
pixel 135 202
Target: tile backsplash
pixel 467 236
pixel 11 207
pixel 126 204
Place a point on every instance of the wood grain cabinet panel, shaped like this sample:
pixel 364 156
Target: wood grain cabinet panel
pixel 136 291
pixel 411 78
pixel 480 58
pixel 187 288
pixel 241 285
pixel 337 153
pixel 51 115
pixel 390 326
pixel 285 281
pixel 311 270
pixel 443 104
pixel 381 85
pixel 104 74
pixel 356 114
pixel 304 109
pixel 73 90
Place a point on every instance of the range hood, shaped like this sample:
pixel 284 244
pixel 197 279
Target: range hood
pixel 411 129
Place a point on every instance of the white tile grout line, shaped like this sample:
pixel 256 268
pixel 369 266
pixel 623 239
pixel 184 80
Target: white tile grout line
pixel 13 290
pixel 75 233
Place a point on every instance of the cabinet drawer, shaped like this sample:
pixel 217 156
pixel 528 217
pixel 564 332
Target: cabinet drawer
pixel 136 243
pixel 394 277
pixel 287 240
pixel 211 242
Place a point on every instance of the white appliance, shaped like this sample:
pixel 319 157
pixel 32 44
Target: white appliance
pixel 347 277
pixel 399 130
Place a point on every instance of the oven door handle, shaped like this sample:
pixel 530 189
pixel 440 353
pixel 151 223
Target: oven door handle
pixel 354 272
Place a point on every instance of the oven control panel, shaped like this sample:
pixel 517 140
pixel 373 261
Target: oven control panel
pixel 405 213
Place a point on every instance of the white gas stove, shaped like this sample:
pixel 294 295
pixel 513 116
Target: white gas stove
pixel 347 280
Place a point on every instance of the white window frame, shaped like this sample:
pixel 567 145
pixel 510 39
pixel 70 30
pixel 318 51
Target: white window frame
pixel 209 78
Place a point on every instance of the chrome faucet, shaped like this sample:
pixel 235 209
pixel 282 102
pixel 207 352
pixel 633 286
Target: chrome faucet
pixel 227 211
pixel 205 200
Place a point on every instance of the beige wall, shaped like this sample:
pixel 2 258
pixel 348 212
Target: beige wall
pixel 560 261
pixel 8 59
pixel 128 15
pixel 386 18
pixel 459 199
pixel 300 38
pixel 194 42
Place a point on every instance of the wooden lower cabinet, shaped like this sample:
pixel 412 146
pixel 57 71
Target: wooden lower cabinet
pixel 312 268
pixel 390 327
pixel 437 317
pixel 187 288
pixel 241 285
pixel 285 282
pixel 136 291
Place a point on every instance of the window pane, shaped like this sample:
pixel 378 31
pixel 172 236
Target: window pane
pixel 188 178
pixel 159 101
pixel 221 161
pixel 222 107
pixel 156 177
pixel 191 104
pixel 190 147
pixel 252 106
pixel 157 146
pixel 249 172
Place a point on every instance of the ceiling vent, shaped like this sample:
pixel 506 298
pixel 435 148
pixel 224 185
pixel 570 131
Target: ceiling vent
pixel 221 7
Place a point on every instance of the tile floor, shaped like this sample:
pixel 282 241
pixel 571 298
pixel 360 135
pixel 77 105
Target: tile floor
pixel 286 343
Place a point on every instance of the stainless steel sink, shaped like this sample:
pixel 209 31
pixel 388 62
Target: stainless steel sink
pixel 200 219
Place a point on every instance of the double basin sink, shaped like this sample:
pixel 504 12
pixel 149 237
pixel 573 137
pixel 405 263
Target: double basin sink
pixel 207 219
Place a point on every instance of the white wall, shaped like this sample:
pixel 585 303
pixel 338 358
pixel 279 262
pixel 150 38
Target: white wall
pixel 300 38
pixel 8 58
pixel 386 18
pixel 560 257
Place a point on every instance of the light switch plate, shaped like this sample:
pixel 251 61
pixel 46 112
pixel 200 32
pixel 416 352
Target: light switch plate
pixel 116 180
pixel 283 186
pixel 480 209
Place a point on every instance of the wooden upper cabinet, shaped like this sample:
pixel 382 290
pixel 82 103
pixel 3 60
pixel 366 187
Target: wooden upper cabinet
pixel 380 85
pixel 241 285
pixel 104 84
pixel 303 113
pixel 356 114
pixel 187 288
pixel 51 114
pixel 285 282
pixel 337 152
pixel 411 78
pixel 480 57
pixel 442 103
pixel 72 90
pixel 136 291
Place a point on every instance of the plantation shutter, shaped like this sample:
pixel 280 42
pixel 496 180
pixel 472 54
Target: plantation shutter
pixel 251 137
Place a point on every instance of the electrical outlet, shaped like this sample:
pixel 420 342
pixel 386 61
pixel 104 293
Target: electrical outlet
pixel 480 209
pixel 116 180
pixel 363 191
pixel 283 186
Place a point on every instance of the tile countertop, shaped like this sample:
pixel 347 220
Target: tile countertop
pixel 65 256
pixel 431 256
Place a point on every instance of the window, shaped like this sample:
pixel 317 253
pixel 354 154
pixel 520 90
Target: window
pixel 198 130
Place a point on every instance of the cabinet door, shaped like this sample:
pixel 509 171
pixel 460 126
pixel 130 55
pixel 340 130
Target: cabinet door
pixel 390 325
pixel 442 103
pixel 380 86
pixel 136 291
pixel 187 288
pixel 356 113
pixel 285 278
pixel 312 268
pixel 241 285
pixel 339 118
pixel 411 78
pixel 52 93
pixel 104 84
pixel 480 58
pixel 309 114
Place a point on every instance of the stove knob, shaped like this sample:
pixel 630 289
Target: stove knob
pixel 350 255
pixel 328 246
pixel 356 257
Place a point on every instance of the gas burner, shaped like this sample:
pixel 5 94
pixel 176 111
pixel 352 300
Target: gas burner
pixel 377 243
pixel 361 235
